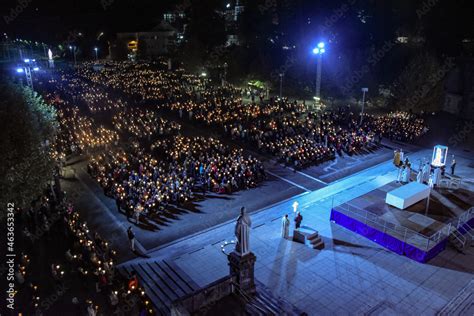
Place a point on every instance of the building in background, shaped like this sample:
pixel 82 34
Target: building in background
pixel 159 41
pixel 459 96
pixel 232 16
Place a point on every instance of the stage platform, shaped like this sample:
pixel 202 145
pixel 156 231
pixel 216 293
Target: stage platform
pixel 412 232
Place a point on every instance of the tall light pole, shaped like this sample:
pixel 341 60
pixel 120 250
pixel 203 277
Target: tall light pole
pixel 281 84
pixel 319 51
pixel 73 50
pixel 364 90
pixel 26 68
pixel 96 56
pixel 204 77
pixel 224 78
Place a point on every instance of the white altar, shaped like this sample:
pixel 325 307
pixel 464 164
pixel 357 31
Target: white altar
pixel 407 195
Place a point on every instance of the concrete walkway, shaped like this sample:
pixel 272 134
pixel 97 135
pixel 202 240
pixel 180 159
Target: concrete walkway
pixel 352 275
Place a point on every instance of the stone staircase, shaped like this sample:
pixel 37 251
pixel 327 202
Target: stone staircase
pixel 164 282
pixel 316 241
pixel 264 303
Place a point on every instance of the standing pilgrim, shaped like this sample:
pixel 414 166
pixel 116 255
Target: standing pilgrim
pixel 406 174
pixel 298 220
pixel 242 232
pixel 453 165
pixel 285 226
pixel 426 173
pixel 419 176
pixel 400 173
pixel 396 158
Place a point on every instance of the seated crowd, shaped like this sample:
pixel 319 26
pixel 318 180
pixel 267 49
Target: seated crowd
pixel 143 123
pixel 144 182
pixel 276 127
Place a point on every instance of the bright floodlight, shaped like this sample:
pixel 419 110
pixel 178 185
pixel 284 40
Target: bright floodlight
pixel 321 45
pixel 36 69
pixel 316 51
pixel 95 48
pixel 27 60
pixel 70 47
pixel 204 74
pixel 19 70
pixel 322 50
pixel 228 5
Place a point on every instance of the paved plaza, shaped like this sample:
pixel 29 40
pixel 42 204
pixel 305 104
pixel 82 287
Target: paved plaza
pixel 282 184
pixel 351 275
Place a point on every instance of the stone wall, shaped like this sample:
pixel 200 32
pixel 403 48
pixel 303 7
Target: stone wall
pixel 200 301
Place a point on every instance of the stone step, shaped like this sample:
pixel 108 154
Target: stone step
pixel 157 302
pixel 181 288
pixel 319 245
pixel 182 276
pixel 269 302
pixel 250 309
pixel 315 240
pixel 274 305
pixel 313 236
pixel 161 281
pixel 152 284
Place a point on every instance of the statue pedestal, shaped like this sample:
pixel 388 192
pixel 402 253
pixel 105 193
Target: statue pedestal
pixel 242 267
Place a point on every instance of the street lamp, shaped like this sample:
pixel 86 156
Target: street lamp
pixel 224 77
pixel 319 50
pixel 204 79
pixel 364 90
pixel 96 56
pixel 73 50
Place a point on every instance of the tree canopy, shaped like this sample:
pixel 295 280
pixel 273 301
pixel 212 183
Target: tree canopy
pixel 28 128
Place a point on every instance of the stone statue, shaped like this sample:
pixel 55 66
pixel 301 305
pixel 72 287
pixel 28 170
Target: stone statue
pixel 242 232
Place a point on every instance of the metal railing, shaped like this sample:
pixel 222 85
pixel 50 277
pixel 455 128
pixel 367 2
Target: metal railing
pixel 405 234
pixel 461 222
pixel 459 237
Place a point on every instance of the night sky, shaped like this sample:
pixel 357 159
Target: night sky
pixel 365 23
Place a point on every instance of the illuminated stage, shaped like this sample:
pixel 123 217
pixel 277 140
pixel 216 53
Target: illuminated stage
pixel 410 232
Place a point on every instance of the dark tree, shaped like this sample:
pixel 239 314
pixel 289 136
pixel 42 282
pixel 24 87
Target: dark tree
pixel 28 128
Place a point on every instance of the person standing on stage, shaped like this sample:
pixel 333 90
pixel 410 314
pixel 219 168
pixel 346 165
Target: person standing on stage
pixel 298 220
pixel 453 165
pixel 285 227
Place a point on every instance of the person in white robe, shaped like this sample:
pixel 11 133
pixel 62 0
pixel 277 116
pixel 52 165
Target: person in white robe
pixel 419 176
pixel 285 226
pixel 400 174
pixel 406 174
pixel 431 181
